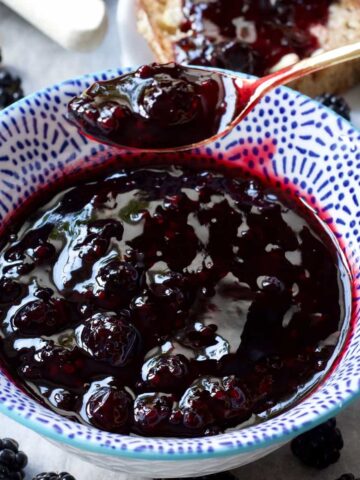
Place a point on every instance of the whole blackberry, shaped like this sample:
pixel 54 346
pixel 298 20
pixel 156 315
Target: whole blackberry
pixel 54 476
pixel 319 447
pixel 336 103
pixel 12 462
pixel 10 88
pixel 216 476
pixel 347 476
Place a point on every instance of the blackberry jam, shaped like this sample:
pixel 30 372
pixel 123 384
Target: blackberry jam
pixel 158 106
pixel 249 36
pixel 170 302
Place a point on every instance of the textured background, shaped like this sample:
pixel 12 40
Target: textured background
pixel 40 63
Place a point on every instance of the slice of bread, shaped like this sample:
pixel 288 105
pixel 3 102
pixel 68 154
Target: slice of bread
pixel 159 22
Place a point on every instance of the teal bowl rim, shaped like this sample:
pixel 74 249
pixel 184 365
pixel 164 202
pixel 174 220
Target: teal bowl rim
pixel 217 450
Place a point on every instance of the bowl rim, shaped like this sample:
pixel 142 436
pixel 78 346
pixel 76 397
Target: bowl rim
pixel 221 452
pixel 220 449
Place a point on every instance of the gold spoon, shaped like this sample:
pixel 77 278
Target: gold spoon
pixel 253 90
pixel 260 87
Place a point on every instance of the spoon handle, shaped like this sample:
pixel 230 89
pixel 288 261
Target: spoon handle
pixel 300 69
pixel 313 64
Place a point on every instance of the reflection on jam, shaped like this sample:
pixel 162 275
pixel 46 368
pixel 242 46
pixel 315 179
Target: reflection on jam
pixel 158 106
pixel 248 35
pixel 169 302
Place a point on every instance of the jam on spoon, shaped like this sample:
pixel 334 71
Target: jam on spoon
pixel 169 302
pixel 158 106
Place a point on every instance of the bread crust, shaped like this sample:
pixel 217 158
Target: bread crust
pixel 154 39
pixel 159 20
pixel 159 27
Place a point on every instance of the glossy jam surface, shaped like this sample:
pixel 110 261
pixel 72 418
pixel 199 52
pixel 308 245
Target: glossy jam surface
pixel 169 302
pixel 158 106
pixel 249 36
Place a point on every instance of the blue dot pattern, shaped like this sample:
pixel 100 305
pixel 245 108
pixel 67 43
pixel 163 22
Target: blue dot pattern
pixel 289 140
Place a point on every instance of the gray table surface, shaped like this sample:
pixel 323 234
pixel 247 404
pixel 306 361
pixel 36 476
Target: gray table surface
pixel 40 63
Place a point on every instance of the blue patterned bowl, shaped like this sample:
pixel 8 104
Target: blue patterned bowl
pixel 288 139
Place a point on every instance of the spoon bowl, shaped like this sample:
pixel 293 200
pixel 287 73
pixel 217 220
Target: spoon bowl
pixel 173 108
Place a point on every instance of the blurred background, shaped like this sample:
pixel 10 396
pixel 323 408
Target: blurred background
pixel 39 61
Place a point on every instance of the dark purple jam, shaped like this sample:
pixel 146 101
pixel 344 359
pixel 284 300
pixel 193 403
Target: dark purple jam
pixel 158 106
pixel 249 36
pixel 169 302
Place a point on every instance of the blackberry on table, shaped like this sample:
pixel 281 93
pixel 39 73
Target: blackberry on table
pixel 12 461
pixel 347 476
pixel 10 88
pixel 336 103
pixel 216 476
pixel 54 476
pixel 319 447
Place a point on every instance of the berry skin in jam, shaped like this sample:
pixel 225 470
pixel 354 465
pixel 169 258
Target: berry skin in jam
pixel 249 36
pixel 169 302
pixel 158 106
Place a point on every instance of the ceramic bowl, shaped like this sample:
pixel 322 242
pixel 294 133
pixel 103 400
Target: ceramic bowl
pixel 288 139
